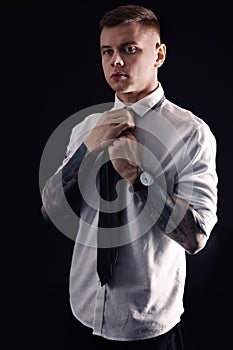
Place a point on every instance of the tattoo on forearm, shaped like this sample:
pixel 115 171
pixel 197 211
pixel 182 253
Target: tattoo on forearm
pixel 176 220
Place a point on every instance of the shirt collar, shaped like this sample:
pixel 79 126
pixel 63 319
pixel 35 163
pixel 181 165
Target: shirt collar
pixel 142 106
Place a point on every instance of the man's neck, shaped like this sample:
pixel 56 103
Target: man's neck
pixel 132 97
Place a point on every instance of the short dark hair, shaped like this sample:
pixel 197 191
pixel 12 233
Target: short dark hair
pixel 130 14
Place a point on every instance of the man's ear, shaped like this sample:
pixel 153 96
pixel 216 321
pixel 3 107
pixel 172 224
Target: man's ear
pixel 160 54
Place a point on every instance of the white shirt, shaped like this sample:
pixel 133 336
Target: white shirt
pixel 144 298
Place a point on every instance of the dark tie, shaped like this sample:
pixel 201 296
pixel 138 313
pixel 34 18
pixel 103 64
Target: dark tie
pixel 107 256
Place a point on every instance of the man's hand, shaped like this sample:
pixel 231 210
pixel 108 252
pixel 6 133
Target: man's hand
pixel 108 128
pixel 125 157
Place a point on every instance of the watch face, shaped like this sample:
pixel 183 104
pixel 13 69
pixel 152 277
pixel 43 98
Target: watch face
pixel 146 178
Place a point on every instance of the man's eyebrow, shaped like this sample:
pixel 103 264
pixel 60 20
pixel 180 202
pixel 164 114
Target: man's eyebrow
pixel 132 42
pixel 105 47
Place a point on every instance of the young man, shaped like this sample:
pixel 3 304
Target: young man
pixel 128 268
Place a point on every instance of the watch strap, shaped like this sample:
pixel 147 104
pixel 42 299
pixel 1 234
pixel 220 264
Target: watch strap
pixel 138 186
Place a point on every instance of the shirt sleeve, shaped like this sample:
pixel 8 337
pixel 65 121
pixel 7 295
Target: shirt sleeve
pixel 197 180
pixel 63 185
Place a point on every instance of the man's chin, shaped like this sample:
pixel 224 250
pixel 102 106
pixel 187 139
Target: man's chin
pixel 120 88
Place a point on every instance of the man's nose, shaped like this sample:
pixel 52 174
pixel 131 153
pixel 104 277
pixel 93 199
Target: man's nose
pixel 117 60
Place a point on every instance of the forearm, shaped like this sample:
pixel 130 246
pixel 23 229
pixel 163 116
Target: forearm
pixel 175 218
pixel 62 187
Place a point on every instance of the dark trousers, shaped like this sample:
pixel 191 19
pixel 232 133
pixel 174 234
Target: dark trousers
pixel 80 337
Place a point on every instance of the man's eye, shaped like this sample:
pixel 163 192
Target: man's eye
pixel 130 49
pixel 107 52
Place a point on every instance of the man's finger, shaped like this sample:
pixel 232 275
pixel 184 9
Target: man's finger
pixel 127 134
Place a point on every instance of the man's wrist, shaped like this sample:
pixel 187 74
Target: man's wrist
pixel 142 181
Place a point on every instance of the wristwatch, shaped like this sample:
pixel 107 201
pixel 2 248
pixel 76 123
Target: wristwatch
pixel 143 181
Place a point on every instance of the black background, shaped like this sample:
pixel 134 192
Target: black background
pixel 51 69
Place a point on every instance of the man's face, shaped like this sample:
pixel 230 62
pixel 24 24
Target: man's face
pixel 130 58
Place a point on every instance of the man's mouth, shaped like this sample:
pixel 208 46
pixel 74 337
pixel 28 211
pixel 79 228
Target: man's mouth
pixel 118 75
